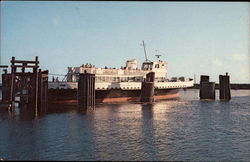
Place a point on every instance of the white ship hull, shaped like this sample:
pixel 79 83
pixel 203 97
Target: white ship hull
pixel 122 85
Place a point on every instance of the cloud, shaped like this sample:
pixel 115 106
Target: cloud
pixel 240 57
pixel 217 62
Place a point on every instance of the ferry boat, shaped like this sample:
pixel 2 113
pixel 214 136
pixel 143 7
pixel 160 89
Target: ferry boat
pixel 119 85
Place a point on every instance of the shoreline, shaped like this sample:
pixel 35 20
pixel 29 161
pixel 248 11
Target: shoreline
pixel 233 86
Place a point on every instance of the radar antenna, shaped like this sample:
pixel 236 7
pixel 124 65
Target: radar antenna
pixel 158 56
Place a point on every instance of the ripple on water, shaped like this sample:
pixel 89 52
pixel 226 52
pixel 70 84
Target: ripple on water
pixel 183 129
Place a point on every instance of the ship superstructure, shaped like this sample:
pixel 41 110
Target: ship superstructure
pixel 121 84
pixel 128 77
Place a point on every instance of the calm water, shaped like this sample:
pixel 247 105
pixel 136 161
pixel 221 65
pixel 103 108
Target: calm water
pixel 183 129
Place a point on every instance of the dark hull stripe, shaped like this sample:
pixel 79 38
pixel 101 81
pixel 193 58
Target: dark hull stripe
pixel 107 96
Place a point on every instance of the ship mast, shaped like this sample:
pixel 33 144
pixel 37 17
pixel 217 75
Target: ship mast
pixel 145 50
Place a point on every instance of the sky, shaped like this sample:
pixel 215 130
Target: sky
pixel 195 38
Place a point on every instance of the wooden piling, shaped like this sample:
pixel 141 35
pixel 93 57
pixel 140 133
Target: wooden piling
pixel 12 88
pixel 86 91
pixel 42 91
pixel 6 86
pixel 224 82
pixel 204 78
pixel 147 88
pixel 207 89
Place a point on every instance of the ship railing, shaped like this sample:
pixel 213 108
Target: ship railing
pixel 62 85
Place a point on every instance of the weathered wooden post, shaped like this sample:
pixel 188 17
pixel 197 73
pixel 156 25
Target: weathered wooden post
pixel 207 89
pixel 6 86
pixel 147 88
pixel 6 82
pixel 86 91
pixel 225 87
pixel 35 71
pixel 12 86
pixel 42 91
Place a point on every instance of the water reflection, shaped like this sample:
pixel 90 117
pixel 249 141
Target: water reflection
pixel 61 108
pixel 216 131
pixel 181 130
pixel 148 138
pixel 67 108
pixel 15 136
pixel 116 132
pixel 27 113
pixel 11 115
pixel 147 111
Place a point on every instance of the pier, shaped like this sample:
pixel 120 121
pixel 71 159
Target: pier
pixel 207 89
pixel 27 86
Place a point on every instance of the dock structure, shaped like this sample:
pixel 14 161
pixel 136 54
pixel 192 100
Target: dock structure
pixel 147 88
pixel 86 91
pixel 224 85
pixel 27 88
pixel 207 89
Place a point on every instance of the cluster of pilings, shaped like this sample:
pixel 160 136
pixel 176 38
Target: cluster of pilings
pixel 207 89
pixel 86 91
pixel 29 89
pixel 26 88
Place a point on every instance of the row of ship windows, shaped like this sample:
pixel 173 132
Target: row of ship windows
pixel 139 87
pixel 135 87
pixel 120 88
pixel 171 87
pixel 118 79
